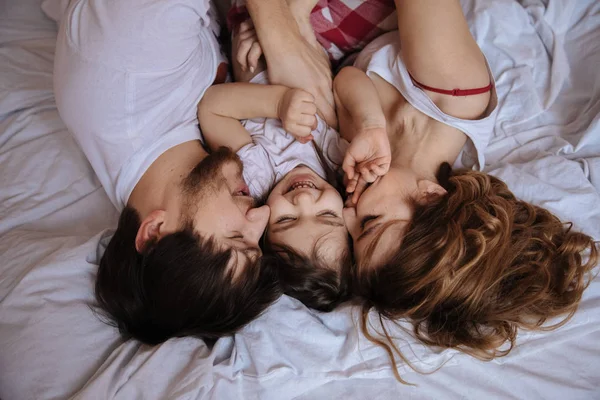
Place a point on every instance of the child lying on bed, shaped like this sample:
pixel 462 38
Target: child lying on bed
pixel 289 151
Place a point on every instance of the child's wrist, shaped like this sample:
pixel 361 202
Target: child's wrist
pixel 280 103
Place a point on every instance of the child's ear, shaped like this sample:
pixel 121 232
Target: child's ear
pixel 429 191
pixel 149 230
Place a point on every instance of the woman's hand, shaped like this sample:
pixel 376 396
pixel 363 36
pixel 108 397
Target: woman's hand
pixel 368 157
pixel 297 111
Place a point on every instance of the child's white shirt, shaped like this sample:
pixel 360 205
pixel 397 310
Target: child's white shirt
pixel 274 152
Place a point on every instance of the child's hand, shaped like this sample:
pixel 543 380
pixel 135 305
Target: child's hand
pixel 247 47
pixel 297 110
pixel 368 157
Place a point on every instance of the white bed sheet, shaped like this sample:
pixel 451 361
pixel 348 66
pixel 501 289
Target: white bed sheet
pixel 53 214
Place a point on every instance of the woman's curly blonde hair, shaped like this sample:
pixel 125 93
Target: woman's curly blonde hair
pixel 474 266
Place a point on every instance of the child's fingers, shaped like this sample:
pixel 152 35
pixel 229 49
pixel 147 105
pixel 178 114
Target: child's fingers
pixel 361 185
pixel 298 130
pixel 379 169
pixel 351 185
pixel 303 95
pixel 308 120
pixel 366 174
pixel 304 139
pixel 348 166
pixel 308 109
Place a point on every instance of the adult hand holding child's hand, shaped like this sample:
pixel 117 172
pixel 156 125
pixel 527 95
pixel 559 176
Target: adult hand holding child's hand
pixel 291 60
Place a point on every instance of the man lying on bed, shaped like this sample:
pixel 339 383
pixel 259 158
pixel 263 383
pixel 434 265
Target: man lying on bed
pixel 128 76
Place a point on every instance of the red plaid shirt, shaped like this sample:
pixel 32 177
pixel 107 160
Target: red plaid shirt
pixel 341 26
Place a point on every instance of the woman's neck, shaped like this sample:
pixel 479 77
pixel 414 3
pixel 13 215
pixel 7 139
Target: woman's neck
pixel 422 149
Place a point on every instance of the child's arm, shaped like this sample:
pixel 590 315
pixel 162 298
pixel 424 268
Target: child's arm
pixel 224 105
pixel 363 124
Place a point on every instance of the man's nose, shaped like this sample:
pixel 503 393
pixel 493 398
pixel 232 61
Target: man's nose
pixel 257 222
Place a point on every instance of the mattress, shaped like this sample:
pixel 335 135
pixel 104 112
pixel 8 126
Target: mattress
pixel 55 221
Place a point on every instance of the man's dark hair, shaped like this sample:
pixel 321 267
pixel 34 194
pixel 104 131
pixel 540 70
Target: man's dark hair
pixel 310 279
pixel 178 286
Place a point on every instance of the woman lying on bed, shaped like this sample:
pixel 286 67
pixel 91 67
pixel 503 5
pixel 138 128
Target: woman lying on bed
pixel 452 251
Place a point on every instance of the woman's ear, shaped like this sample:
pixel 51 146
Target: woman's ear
pixel 429 191
pixel 149 230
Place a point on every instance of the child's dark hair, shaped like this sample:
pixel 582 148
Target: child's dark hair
pixel 308 278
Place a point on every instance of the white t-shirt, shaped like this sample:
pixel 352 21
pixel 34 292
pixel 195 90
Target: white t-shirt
pixel 273 152
pixel 128 76
pixel 382 56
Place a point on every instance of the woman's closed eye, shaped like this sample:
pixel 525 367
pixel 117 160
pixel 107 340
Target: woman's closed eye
pixel 366 220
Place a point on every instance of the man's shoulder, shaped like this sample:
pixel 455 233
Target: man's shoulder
pixel 139 35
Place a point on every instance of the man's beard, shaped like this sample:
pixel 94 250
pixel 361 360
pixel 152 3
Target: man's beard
pixel 207 175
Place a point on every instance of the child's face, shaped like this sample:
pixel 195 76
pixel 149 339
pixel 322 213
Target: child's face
pixel 306 211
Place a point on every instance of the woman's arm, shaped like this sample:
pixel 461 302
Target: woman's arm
pixel 439 51
pixel 223 106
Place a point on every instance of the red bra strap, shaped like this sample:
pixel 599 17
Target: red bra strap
pixel 453 92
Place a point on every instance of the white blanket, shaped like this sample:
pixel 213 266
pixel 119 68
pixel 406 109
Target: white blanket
pixel 545 55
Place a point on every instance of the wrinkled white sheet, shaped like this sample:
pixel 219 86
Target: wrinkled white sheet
pixel 545 55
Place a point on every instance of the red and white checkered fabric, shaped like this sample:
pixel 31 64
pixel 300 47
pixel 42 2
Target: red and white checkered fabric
pixel 341 26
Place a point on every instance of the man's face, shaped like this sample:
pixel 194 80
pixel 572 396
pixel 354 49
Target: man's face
pixel 218 205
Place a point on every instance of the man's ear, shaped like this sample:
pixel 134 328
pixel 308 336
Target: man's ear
pixel 429 191
pixel 149 229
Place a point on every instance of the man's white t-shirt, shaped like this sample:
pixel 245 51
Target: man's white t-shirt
pixel 128 76
pixel 274 152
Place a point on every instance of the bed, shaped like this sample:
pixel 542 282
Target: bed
pixel 55 220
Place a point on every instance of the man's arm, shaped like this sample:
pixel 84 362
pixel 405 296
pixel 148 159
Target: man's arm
pixel 291 60
pixel 223 106
pixel 439 51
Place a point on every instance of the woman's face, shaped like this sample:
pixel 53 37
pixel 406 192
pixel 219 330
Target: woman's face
pixel 306 209
pixel 387 200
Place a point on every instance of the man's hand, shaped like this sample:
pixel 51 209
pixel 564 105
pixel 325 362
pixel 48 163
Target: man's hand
pixel 368 157
pixel 291 60
pixel 304 68
pixel 297 111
